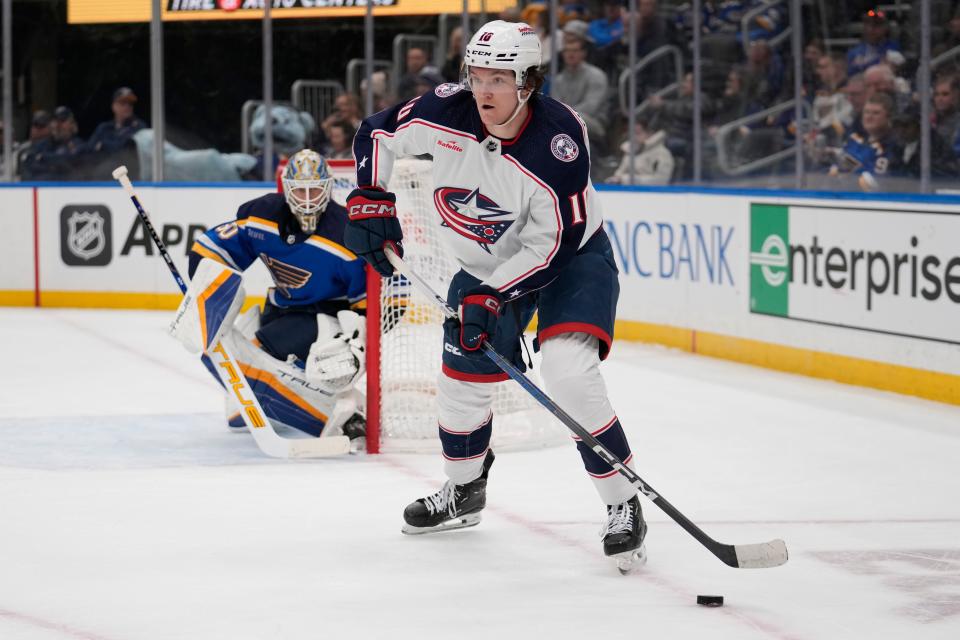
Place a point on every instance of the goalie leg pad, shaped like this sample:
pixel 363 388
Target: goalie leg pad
pixel 209 306
pixel 282 389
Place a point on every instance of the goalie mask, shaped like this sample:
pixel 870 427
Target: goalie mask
pixel 307 183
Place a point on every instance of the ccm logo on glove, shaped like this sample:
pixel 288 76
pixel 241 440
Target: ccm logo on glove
pixel 372 210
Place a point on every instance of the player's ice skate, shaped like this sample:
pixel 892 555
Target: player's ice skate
pixel 623 535
pixel 454 506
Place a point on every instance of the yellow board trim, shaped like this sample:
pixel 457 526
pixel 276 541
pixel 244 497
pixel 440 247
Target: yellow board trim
pixel 932 385
pixel 16 298
pixel 120 300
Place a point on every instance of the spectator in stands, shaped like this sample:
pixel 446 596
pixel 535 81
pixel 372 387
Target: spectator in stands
pixel 572 10
pixel 951 38
pixel 906 131
pixel 537 16
pixel 880 78
pixel 653 163
pixel 40 129
pixel 584 88
pixel 946 108
pixel 874 154
pixel 832 111
pixel 40 132
pixel 608 31
pixel 54 157
pixel 416 68
pixel 653 32
pixel 346 108
pixel 60 156
pixel 341 140
pixel 675 116
pixel 451 66
pixel 381 95
pixel 763 81
pixel 875 45
pixel 732 105
pixel 113 135
pixel 577 30
pixel 812 53
pixel 856 92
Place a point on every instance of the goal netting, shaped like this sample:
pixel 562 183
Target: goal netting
pixel 403 359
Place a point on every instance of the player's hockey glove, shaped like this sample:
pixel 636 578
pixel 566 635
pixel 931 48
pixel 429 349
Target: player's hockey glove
pixel 373 225
pixel 480 309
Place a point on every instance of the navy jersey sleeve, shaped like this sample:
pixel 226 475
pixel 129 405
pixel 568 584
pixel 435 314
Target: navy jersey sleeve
pixel 226 243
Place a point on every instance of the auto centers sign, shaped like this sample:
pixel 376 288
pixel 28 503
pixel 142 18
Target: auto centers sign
pixel 876 269
pixel 125 11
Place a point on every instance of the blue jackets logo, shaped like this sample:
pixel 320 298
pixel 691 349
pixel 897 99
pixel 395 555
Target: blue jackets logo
pixel 86 235
pixel 471 214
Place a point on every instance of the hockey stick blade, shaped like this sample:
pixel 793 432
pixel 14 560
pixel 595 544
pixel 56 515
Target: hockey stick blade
pixel 232 377
pixel 748 556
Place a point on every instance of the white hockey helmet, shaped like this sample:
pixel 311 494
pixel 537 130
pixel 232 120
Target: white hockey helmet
pixel 502 45
pixel 307 184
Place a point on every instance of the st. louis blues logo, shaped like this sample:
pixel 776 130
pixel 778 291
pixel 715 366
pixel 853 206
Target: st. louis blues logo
pixel 286 276
pixel 471 214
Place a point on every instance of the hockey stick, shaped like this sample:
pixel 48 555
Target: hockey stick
pixel 231 375
pixel 744 556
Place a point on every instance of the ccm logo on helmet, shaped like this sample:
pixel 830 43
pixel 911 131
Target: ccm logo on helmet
pixel 372 210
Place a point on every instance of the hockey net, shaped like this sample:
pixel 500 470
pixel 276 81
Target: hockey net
pixel 405 336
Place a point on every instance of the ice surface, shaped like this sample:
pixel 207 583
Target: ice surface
pixel 128 512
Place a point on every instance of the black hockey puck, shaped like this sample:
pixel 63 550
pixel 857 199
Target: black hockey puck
pixel 710 601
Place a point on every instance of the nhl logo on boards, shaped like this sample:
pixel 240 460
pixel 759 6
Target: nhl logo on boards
pixel 85 235
pixel 447 89
pixel 564 148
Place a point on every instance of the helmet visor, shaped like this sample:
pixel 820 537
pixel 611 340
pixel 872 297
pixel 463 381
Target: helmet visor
pixel 481 80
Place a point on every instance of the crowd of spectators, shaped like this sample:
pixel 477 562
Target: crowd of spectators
pixel 53 150
pixel 861 107
pixel 860 99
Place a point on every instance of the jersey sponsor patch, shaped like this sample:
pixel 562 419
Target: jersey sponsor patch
pixel 447 89
pixel 471 214
pixel 564 148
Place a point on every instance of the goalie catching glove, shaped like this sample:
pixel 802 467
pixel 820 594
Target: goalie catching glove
pixel 209 306
pixel 337 358
pixel 373 225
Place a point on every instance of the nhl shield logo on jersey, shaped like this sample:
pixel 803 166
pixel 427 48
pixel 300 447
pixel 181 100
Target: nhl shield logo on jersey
pixel 564 148
pixel 85 235
pixel 447 89
pixel 472 215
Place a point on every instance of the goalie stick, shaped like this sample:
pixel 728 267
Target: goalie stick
pixel 744 556
pixel 232 377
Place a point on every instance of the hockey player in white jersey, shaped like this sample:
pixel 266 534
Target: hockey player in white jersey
pixel 516 208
